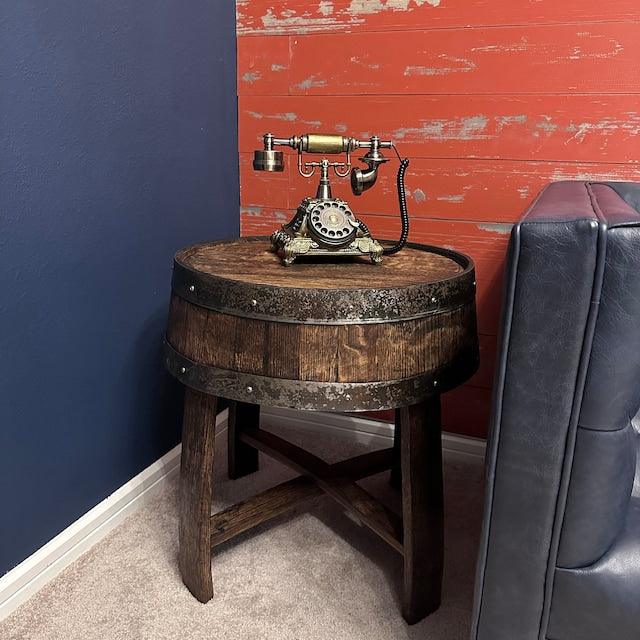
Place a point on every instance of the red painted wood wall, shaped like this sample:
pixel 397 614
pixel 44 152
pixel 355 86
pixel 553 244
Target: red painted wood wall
pixel 490 100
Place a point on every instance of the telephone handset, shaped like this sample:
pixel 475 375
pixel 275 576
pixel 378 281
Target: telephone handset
pixel 325 226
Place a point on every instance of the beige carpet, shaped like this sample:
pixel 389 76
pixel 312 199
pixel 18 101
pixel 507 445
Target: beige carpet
pixel 314 574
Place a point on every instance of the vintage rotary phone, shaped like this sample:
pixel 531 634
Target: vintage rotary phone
pixel 325 226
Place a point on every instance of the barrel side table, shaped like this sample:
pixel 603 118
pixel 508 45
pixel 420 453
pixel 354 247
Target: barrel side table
pixel 326 336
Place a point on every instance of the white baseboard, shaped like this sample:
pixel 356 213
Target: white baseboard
pixel 29 576
pixel 367 430
pixel 19 584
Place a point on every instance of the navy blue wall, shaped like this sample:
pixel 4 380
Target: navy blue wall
pixel 118 145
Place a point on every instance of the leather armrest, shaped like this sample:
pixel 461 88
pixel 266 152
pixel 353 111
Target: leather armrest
pixel 554 264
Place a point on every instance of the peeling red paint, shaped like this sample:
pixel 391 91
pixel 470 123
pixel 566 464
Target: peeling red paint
pixel 313 16
pixel 492 61
pixel 559 128
pixel 491 100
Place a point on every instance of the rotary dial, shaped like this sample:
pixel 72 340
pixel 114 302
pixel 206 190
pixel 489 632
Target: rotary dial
pixel 332 223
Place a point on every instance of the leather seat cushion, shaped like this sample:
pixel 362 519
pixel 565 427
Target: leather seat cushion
pixel 601 601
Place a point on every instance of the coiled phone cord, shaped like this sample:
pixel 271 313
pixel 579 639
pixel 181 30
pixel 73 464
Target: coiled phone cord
pixel 404 215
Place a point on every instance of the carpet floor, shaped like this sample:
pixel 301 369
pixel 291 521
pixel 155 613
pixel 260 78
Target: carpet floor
pixel 314 574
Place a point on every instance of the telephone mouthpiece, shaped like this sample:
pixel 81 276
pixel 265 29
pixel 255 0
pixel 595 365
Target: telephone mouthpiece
pixel 268 160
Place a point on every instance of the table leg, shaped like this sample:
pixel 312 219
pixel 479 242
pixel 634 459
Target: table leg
pixel 423 508
pixel 242 458
pixel 395 478
pixel 196 487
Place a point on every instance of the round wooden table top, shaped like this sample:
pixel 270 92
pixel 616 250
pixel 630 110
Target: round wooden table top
pixel 251 260
pixel 244 277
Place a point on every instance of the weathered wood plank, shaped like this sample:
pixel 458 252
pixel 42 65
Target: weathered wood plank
pixel 267 66
pixel 570 128
pixel 282 498
pixel 451 189
pixel 422 508
pixel 260 508
pixel 563 58
pixel 341 488
pixel 196 487
pixel 373 352
pixel 347 16
pixel 488 116
pixel 278 500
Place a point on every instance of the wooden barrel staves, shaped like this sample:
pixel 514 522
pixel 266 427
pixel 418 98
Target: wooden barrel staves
pixel 324 335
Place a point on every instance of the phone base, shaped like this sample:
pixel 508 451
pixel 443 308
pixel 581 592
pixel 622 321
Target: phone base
pixel 324 227
pixel 289 247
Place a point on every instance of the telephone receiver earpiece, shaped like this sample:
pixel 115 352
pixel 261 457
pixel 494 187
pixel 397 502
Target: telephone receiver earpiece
pixel 363 179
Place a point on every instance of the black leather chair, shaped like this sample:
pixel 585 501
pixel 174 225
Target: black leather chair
pixel 559 555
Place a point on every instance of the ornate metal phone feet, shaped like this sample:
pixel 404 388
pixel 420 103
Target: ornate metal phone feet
pixel 289 248
pixel 324 227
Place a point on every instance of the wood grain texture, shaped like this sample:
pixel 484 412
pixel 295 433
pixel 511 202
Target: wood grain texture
pixel 442 188
pixel 301 17
pixel 533 126
pixel 583 57
pixel 196 487
pixel 260 508
pixel 422 508
pixel 254 263
pixel 490 100
pixel 336 481
pixel 322 353
pixel 424 333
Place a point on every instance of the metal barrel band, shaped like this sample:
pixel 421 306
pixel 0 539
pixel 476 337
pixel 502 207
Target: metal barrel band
pixel 326 306
pixel 320 396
